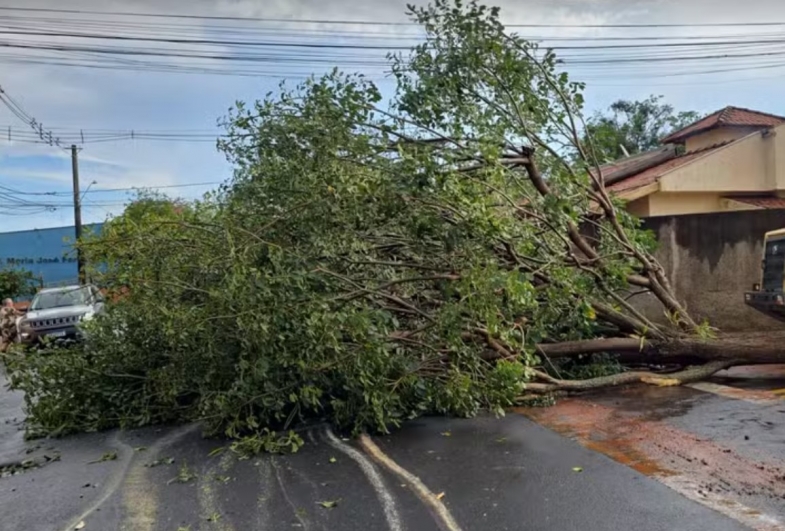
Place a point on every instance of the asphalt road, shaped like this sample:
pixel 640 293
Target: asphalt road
pixel 478 474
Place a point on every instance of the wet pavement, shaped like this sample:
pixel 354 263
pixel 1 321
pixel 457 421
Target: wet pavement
pixel 11 418
pixel 645 458
pixel 720 443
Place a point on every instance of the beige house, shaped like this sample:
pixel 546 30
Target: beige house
pixel 710 193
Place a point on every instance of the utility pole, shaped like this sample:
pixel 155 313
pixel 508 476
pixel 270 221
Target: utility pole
pixel 77 214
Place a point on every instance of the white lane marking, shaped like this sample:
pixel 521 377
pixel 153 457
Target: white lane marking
pixel 114 482
pixel 375 479
pixel 419 488
pixel 266 492
pixel 295 510
pixel 206 496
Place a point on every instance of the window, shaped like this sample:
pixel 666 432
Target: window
pixel 61 298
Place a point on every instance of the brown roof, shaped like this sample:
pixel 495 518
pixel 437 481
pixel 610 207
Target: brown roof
pixel 766 202
pixel 622 168
pixel 652 175
pixel 727 117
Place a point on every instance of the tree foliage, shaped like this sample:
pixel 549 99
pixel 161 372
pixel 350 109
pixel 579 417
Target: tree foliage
pixel 368 263
pixel 632 127
pixel 15 283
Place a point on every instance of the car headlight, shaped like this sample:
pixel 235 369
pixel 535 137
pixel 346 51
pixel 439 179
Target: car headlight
pixel 24 328
pixel 87 316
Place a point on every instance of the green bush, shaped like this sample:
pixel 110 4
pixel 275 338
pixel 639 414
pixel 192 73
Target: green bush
pixel 17 283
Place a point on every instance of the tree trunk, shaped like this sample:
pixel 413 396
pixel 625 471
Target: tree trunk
pixel 704 357
pixel 692 374
pixel 752 348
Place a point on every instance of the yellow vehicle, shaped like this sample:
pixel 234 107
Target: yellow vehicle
pixel 768 296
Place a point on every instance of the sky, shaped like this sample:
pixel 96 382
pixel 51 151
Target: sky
pixel 74 101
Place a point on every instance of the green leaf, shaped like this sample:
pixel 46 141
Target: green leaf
pixel 108 456
pixel 577 469
pixel 329 504
pixel 216 451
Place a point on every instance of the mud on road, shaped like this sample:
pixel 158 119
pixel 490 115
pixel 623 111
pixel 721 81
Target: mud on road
pixel 720 443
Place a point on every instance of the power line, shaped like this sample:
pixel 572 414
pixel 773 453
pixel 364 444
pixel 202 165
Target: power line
pixel 316 45
pixel 374 22
pixel 298 59
pixel 110 190
pixel 173 40
pixel 157 28
pixel 253 58
pixel 203 17
pixel 17 110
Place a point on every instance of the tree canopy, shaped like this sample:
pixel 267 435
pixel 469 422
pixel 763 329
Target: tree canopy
pixel 632 127
pixel 15 283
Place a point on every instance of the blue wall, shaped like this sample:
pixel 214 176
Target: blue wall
pixel 48 253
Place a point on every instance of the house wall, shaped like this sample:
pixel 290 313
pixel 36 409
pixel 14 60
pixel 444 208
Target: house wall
pixel 712 259
pixel 672 204
pixel 776 157
pixel 639 207
pixel 717 136
pixel 740 167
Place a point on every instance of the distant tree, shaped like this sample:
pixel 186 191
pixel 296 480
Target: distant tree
pixel 147 213
pixel 632 127
pixel 150 205
pixel 15 283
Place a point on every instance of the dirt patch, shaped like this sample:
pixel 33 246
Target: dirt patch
pixel 699 468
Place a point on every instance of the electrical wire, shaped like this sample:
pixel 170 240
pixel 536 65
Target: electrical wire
pixel 183 48
pixel 372 22
pixel 112 190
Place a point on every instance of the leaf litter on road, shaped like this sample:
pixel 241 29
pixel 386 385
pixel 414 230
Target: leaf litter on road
pixel 329 504
pixel 108 456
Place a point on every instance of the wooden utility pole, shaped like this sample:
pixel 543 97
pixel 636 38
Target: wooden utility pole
pixel 77 214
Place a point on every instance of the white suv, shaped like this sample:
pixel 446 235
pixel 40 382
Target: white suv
pixel 55 313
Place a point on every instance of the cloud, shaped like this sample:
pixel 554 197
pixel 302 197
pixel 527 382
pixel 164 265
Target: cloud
pixel 126 178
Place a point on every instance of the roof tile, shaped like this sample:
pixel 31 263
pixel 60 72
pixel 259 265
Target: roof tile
pixel 729 117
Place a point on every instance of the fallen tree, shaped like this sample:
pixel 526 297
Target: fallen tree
pixel 371 263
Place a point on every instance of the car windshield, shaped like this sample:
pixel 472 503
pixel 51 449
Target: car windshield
pixel 59 299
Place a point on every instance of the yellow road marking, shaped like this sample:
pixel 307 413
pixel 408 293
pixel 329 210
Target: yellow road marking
pixel 209 504
pixel 377 482
pixel 748 395
pixel 424 493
